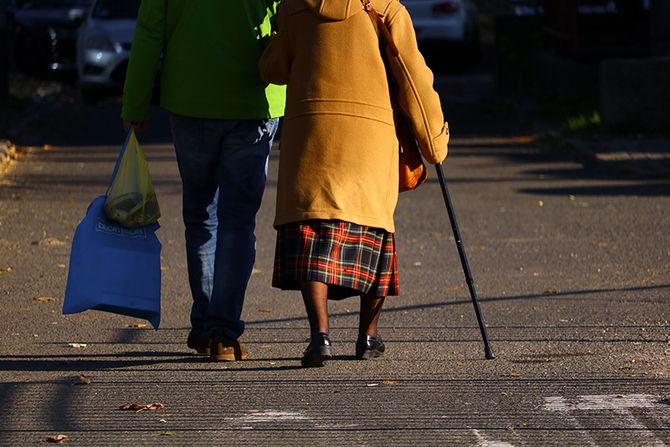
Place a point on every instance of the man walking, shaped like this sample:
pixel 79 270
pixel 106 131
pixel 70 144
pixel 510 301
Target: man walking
pixel 224 119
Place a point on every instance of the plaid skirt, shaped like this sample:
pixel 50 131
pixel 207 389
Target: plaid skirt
pixel 352 259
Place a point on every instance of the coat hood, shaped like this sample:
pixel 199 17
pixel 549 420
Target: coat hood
pixel 334 10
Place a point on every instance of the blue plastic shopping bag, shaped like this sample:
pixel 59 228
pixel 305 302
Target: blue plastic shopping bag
pixel 114 268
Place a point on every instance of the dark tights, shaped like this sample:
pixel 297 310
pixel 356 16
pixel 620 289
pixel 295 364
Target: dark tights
pixel 315 296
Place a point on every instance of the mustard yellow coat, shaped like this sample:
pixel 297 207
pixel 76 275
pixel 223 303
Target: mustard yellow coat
pixel 338 150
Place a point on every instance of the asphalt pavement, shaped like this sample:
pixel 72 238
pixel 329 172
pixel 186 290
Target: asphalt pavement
pixel 572 266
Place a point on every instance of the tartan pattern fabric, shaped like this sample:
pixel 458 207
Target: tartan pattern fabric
pixel 350 258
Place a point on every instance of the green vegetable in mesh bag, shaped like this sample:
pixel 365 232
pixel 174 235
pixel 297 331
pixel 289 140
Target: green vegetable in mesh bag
pixel 131 199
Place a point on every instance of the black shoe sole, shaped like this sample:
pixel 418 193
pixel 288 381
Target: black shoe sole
pixel 368 354
pixel 317 358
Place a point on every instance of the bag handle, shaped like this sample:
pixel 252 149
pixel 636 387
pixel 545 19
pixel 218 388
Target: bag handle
pixel 120 157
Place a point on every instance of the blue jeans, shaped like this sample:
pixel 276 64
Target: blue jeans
pixel 223 167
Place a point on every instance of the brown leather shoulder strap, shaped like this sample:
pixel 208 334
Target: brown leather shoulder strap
pixel 380 25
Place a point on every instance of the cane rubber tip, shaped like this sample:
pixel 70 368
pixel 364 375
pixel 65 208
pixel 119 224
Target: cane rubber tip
pixel 488 353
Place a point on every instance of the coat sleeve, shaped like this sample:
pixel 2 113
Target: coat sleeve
pixel 416 96
pixel 148 45
pixel 275 63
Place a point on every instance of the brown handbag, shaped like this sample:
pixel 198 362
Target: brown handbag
pixel 412 169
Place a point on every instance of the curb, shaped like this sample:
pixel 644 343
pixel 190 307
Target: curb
pixel 7 153
pixel 7 148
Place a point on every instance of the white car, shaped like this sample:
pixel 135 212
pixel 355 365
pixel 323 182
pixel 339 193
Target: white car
pixel 446 23
pixel 103 46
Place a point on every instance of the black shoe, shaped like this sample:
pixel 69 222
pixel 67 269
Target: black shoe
pixel 368 347
pixel 317 352
pixel 198 342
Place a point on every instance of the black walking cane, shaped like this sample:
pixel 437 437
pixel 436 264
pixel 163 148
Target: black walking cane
pixel 488 353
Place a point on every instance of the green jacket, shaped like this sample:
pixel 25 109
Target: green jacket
pixel 210 58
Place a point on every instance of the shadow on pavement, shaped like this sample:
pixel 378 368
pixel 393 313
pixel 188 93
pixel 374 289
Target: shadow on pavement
pixel 544 295
pixel 100 362
pixel 88 125
pixel 642 189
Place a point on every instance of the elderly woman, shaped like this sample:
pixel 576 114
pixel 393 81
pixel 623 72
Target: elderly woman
pixel 338 168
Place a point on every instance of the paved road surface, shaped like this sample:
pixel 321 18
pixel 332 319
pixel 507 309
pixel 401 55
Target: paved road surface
pixel 572 267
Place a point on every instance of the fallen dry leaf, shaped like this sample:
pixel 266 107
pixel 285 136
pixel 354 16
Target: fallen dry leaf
pixel 522 424
pixel 7 269
pixel 56 439
pixel 83 379
pixel 138 407
pixel 44 299
pixel 154 406
pixel 389 382
pixel 540 203
pixel 77 345
pixel 524 139
pixel 131 407
pixel 551 292
pixel 600 244
pixel 139 325
pixel 50 242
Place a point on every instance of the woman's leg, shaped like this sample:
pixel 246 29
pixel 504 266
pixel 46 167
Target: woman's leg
pixel 315 296
pixel 371 309
pixel 369 345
